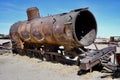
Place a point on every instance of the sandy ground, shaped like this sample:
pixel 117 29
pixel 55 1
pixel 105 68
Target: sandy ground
pixel 16 67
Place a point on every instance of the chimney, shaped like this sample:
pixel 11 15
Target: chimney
pixel 33 13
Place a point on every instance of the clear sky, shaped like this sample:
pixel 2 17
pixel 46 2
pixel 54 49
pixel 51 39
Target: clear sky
pixel 106 12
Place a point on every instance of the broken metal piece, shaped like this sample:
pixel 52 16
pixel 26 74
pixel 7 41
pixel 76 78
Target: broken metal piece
pixel 96 57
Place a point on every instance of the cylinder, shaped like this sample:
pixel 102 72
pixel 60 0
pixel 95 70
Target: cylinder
pixel 33 13
pixel 73 29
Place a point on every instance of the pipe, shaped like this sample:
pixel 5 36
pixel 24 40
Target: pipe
pixel 33 13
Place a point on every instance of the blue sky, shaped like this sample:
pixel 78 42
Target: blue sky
pixel 106 12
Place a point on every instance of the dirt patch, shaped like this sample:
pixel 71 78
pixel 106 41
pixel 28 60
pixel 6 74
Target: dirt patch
pixel 16 67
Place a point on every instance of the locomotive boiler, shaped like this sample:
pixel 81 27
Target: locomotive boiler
pixel 72 31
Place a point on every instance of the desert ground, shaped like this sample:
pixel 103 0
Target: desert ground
pixel 16 67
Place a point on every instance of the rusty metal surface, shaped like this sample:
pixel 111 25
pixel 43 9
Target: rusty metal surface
pixel 118 58
pixel 74 29
pixel 33 13
pixel 96 57
pixel 115 39
pixel 112 39
pixel 5 46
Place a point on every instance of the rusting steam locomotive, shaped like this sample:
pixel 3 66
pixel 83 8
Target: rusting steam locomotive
pixel 72 30
pixel 59 37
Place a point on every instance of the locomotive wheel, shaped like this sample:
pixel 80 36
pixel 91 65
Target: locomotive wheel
pixel 14 51
pixel 40 56
pixel 21 52
pixel 47 57
pixel 36 55
pixel 30 54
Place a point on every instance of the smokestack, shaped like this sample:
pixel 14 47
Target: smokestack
pixel 32 13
